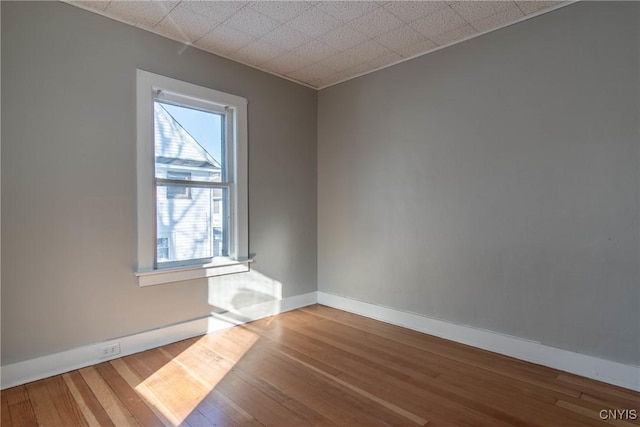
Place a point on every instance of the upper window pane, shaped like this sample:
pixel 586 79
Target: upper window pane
pixel 188 140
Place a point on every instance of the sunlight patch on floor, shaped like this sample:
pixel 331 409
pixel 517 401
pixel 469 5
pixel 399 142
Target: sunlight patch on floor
pixel 175 390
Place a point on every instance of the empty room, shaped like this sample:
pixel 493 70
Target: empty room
pixel 335 213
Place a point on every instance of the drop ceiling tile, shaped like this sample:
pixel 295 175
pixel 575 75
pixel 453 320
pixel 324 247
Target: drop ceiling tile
pixel 252 22
pixel 342 38
pixel 314 22
pixel 331 79
pixel 474 10
pixel 257 53
pixel 344 75
pixel 357 69
pixel 376 22
pixel 454 35
pixel 439 22
pixel 497 20
pixel 339 62
pixel 286 64
pixel 312 72
pixel 383 60
pixel 351 72
pixel 315 50
pixel 224 40
pixel 354 61
pixel 216 10
pixel 318 83
pixel 401 38
pixel 96 5
pixel 174 32
pixel 417 49
pixel 367 51
pixel 529 7
pixel 409 11
pixel 286 37
pixel 318 43
pixel 185 25
pixel 281 11
pixel 142 13
pixel 346 11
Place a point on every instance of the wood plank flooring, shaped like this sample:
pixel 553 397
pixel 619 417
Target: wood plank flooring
pixel 316 366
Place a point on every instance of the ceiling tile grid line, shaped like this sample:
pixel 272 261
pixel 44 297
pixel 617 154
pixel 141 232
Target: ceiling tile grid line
pixel 533 12
pixel 319 44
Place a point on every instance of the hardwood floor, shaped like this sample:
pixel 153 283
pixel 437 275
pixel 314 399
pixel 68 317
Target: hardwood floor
pixel 316 366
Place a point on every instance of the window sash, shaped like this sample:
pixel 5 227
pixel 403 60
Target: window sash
pixel 227 166
pixel 217 228
pixel 227 136
pixel 190 183
pixel 179 99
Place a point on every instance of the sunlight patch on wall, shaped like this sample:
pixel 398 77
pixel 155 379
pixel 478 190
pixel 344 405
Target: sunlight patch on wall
pixel 244 296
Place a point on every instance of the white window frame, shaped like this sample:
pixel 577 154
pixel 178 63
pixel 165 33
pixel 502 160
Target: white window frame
pixel 148 86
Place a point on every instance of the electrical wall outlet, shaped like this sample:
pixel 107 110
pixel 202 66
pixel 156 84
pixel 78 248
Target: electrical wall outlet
pixel 110 350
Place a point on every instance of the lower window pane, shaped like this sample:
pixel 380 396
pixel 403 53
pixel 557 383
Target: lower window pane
pixel 194 228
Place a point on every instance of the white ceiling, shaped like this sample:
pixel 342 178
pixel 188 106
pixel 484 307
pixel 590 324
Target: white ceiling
pixel 319 43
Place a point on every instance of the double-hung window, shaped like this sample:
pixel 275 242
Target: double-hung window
pixel 192 181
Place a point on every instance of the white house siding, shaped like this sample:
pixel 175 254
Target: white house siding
pixel 187 223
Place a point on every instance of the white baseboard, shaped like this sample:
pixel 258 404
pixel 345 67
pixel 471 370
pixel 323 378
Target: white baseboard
pixel 619 374
pixel 626 376
pixel 46 366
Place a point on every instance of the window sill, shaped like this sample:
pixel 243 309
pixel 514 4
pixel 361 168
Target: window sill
pixel 217 267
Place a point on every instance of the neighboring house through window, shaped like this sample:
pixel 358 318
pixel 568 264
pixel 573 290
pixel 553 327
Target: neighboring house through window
pixel 192 160
pixel 162 248
pixel 178 191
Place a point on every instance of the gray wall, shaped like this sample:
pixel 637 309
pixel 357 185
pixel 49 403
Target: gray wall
pixel 68 178
pixel 494 183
